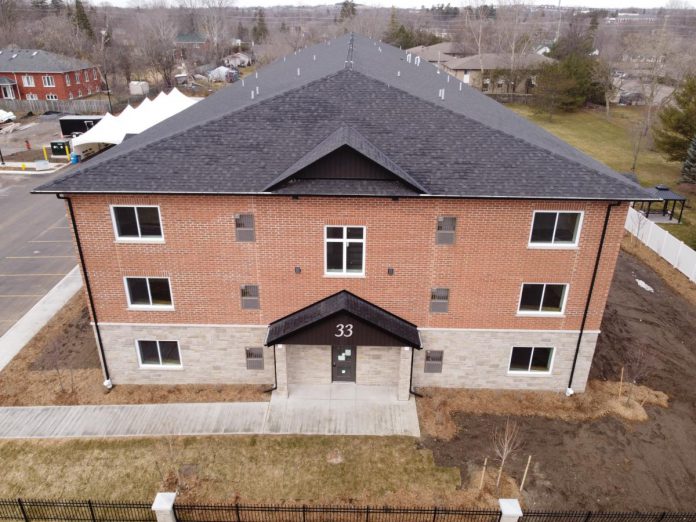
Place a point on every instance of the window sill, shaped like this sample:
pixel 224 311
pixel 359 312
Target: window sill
pixel 154 308
pixel 139 240
pixel 540 314
pixel 551 246
pixel 159 367
pixel 349 276
pixel 528 374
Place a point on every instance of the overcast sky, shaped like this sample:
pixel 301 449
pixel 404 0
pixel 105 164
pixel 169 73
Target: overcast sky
pixel 419 3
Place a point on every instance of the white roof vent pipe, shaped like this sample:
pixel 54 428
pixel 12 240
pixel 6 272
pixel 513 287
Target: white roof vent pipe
pixel 398 73
pixel 257 90
pixel 408 57
pixel 252 94
pixel 298 71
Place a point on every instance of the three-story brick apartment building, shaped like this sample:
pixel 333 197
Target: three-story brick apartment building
pixel 347 214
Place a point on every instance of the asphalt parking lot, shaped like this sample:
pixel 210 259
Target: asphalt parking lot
pixel 35 245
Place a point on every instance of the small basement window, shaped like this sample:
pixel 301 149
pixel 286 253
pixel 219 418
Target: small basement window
pixel 254 358
pixel 433 361
pixel 446 226
pixel 159 353
pixel 530 360
pixel 148 292
pixel 137 222
pixel 250 297
pixel 543 298
pixel 244 227
pixel 555 228
pixel 439 300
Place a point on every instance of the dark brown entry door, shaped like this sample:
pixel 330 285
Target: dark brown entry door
pixel 343 363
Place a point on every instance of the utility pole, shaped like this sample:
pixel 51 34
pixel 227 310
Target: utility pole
pixel 106 76
pixel 560 17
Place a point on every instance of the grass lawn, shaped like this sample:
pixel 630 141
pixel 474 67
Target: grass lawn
pixel 265 469
pixel 610 142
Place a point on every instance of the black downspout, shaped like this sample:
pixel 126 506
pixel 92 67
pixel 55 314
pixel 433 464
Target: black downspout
pixel 107 378
pixel 275 373
pixel 410 382
pixel 589 293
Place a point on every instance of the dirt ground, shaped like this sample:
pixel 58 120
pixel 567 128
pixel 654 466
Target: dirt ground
pixel 60 366
pixel 608 463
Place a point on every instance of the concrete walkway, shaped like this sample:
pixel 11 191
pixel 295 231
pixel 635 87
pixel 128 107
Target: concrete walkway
pixel 36 318
pixel 353 410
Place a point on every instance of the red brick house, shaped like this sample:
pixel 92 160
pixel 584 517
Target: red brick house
pixel 347 216
pixel 31 74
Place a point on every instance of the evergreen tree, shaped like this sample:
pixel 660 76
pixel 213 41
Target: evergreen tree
pixel 82 20
pixel 678 122
pixel 393 28
pixel 347 10
pixel 555 91
pixel 57 5
pixel 260 30
pixel 242 32
pixel 689 167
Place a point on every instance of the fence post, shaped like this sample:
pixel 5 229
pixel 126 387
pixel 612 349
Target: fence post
pixel 510 510
pixel 91 511
pixel 236 510
pixel 163 506
pixel 21 508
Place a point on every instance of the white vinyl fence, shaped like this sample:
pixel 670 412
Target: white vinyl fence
pixel 674 251
pixel 91 106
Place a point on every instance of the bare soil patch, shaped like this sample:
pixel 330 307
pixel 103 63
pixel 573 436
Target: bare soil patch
pixel 60 366
pixel 608 463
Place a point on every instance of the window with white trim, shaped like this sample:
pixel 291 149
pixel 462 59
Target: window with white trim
pixel 545 298
pixel 67 80
pixel 32 96
pixel 79 93
pixel 254 358
pixel 86 74
pixel 28 81
pixel 89 91
pixel 48 81
pixel 70 95
pixel 244 227
pixel 439 300
pixel 446 228
pixel 94 73
pixel 344 250
pixel 159 353
pixel 555 228
pixel 52 96
pixel 77 77
pixel 526 359
pixel 149 292
pixel 433 361
pixel 250 297
pixel 137 222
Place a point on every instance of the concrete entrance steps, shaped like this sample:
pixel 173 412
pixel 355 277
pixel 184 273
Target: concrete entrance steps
pixel 342 409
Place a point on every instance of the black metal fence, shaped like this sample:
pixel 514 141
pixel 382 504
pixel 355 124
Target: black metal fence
pixel 348 513
pixel 21 510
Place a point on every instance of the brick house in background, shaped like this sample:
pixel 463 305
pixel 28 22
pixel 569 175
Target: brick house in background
pixel 31 74
pixel 347 216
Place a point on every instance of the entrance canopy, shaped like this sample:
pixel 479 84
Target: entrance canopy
pixel 343 319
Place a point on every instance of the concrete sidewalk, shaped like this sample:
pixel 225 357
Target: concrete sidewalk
pixel 36 318
pixel 353 410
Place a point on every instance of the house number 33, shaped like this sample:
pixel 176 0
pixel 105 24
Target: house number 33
pixel 344 330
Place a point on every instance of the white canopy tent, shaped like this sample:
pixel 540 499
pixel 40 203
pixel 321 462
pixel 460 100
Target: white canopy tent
pixel 112 130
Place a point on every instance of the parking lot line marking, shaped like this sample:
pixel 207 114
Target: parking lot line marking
pixel 21 295
pixel 28 275
pixel 50 241
pixel 39 257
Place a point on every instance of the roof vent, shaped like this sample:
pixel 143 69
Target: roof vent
pixel 13 56
pixel 661 187
pixel 35 53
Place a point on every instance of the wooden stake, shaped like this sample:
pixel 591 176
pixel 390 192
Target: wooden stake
pixel 621 382
pixel 483 473
pixel 524 477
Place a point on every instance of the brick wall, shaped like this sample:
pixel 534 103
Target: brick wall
pixel 484 269
pixel 61 88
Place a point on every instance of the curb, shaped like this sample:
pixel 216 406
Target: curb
pixel 40 314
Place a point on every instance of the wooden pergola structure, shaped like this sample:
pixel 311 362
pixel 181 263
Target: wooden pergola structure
pixel 668 197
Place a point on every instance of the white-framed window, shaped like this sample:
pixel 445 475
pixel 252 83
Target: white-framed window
pixel 555 229
pixel 158 354
pixel 148 293
pixel 32 96
pixel 77 77
pixel 344 251
pixel 94 74
pixel 51 96
pixel 48 80
pixel 79 93
pixel 70 95
pixel 543 299
pixel 244 227
pixel 89 91
pixel 28 80
pixel 137 223
pixel 67 80
pixel 531 360
pixel 86 75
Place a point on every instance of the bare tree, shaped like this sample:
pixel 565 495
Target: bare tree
pixel 506 441
pixel 157 33
pixel 637 364
pixel 477 25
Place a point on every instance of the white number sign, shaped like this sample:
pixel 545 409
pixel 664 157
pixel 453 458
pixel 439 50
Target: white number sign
pixel 344 330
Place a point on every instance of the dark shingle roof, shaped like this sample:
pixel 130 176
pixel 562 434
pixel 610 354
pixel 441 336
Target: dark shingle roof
pixel 463 145
pixel 36 60
pixel 343 301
